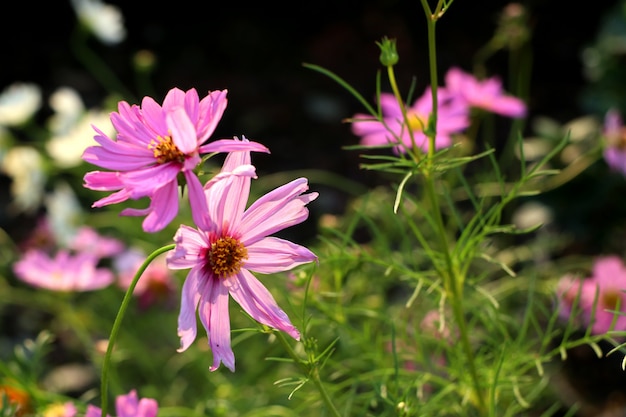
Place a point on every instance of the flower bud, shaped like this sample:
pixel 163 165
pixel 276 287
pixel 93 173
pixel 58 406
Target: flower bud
pixel 388 52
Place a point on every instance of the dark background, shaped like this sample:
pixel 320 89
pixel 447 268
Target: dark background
pixel 256 51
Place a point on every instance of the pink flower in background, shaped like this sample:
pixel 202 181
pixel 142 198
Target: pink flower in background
pixel 608 282
pixel 128 406
pixel 88 240
pixel 485 94
pixel 63 272
pixel 154 145
pixel 452 117
pixel 615 134
pixel 156 283
pixel 237 242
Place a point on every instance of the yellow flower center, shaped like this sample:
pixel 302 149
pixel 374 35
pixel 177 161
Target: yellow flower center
pixel 417 123
pixel 611 300
pixel 226 256
pixel 165 150
pixel 55 410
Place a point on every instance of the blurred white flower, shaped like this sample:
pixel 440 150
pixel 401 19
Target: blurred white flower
pixel 532 214
pixel 24 165
pixel 18 103
pixel 104 20
pixel 65 214
pixel 71 127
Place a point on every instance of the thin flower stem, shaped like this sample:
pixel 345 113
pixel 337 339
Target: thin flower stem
pixel 117 324
pixel 311 370
pixel 453 279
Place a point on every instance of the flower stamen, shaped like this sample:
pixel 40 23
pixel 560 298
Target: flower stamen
pixel 165 150
pixel 225 257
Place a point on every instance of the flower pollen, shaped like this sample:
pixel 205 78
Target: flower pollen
pixel 415 122
pixel 165 150
pixel 610 299
pixel 225 257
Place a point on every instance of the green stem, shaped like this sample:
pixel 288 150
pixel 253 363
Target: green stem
pixel 453 281
pixel 312 371
pixel 106 364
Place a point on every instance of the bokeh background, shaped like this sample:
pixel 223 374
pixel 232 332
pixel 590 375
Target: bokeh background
pixel 256 51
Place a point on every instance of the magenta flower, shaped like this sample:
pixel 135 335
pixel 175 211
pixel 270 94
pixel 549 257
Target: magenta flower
pixel 63 272
pixel 154 145
pixel 88 240
pixel 156 283
pixel 615 149
pixel 484 94
pixel 237 242
pixel 607 283
pixel 452 117
pixel 128 406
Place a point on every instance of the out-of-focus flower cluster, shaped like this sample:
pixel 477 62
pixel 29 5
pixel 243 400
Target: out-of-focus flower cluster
pixel 598 300
pixel 461 94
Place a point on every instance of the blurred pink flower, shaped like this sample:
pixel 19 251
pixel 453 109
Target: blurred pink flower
pixel 128 406
pixel 608 282
pixel 156 283
pixel 615 134
pixel 154 145
pixel 237 242
pixel 452 117
pixel 63 272
pixel 484 94
pixel 88 240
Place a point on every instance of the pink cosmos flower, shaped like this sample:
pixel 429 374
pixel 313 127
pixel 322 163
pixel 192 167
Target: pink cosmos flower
pixel 615 149
pixel 452 117
pixel 154 145
pixel 608 283
pixel 88 240
pixel 237 242
pixel 156 283
pixel 484 94
pixel 63 272
pixel 128 406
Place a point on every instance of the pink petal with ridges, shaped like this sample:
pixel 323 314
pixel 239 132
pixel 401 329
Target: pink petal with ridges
pixel 189 244
pixel 182 130
pixel 271 254
pixel 214 315
pixel 164 207
pixel 190 297
pixel 259 303
pixel 230 145
pixel 212 108
pixel 197 201
pixel 276 210
pixel 142 183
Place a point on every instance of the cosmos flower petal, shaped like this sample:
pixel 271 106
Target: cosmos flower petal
pixel 197 201
pixel 163 208
pixel 145 182
pixel 214 315
pixel 259 303
pixel 183 131
pixel 103 181
pixel 154 144
pixel 187 326
pixel 271 254
pixel 211 109
pixel 276 210
pixel 188 251
pixel 229 145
